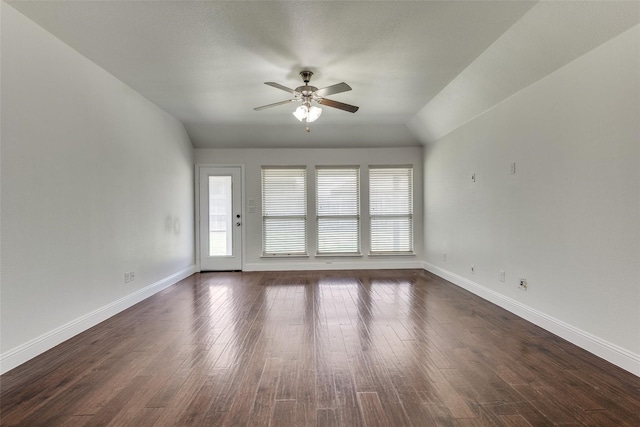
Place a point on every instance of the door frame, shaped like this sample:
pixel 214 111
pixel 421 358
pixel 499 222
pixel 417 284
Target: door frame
pixel 196 230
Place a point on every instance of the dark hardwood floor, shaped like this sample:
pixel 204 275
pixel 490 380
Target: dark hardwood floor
pixel 348 348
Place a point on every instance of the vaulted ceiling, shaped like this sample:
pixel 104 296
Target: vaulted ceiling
pixel 418 69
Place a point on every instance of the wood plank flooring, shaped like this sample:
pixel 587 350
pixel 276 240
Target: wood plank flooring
pixel 341 348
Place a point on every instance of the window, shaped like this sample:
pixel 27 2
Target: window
pixel 391 209
pixel 284 211
pixel 220 216
pixel 338 209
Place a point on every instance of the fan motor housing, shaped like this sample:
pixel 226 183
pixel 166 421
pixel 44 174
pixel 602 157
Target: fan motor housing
pixel 306 90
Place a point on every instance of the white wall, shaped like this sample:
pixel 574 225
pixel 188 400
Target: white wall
pixel 568 220
pixel 96 181
pixel 253 159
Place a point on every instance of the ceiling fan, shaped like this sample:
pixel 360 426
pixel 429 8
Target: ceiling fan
pixel 308 113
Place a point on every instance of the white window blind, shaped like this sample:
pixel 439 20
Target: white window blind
pixel 391 209
pixel 284 211
pixel 338 210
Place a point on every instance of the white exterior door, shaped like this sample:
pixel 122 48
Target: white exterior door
pixel 220 218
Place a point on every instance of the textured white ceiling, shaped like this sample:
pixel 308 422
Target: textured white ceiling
pixel 206 62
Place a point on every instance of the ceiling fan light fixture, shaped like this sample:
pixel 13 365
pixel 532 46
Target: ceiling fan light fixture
pixel 305 112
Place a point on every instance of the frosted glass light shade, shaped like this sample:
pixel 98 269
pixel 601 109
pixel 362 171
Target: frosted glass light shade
pixel 313 114
pixel 301 112
pixel 306 112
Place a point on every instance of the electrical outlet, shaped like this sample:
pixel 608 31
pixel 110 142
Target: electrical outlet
pixel 444 257
pixel 473 269
pixel 502 275
pixel 127 277
pixel 512 168
pixel 522 284
pixel 132 276
pixel 473 177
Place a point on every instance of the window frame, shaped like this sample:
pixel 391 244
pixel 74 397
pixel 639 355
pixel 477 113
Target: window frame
pixel 302 173
pixel 337 216
pixel 410 250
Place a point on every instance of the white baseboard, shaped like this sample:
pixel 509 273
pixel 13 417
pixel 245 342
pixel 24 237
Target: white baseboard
pixel 617 355
pixel 333 265
pixel 19 355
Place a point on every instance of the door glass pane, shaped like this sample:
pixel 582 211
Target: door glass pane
pixel 220 216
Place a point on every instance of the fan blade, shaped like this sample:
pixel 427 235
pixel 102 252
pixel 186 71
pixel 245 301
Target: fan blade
pixel 330 90
pixel 336 104
pixel 275 104
pixel 279 86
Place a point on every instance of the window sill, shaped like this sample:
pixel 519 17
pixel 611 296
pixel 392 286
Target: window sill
pixel 341 255
pixel 285 256
pixel 375 254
